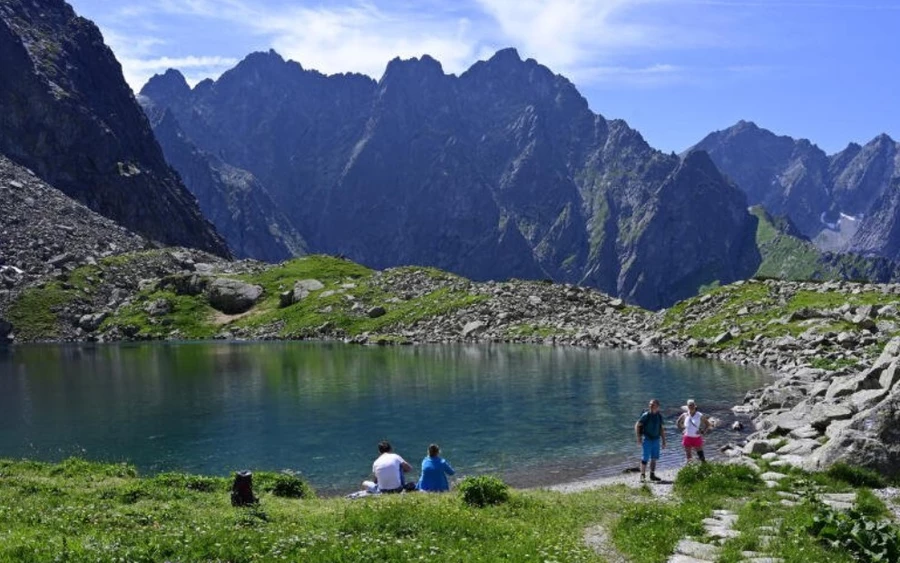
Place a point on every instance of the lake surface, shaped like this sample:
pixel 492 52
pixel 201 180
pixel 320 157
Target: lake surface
pixel 533 414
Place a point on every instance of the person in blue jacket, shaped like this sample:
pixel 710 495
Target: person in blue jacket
pixel 434 472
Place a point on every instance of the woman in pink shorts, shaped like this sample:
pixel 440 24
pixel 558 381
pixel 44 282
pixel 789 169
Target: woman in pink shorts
pixel 693 425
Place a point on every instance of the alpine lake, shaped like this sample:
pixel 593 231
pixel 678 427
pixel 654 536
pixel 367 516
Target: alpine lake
pixel 534 415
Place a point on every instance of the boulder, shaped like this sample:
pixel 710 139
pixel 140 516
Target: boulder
pixel 847 385
pixel 823 413
pixel 890 353
pixel 780 397
pixel 232 297
pixel 871 439
pixel 91 322
pixel 185 284
pixel 865 399
pixel 375 312
pixel 158 307
pixel 473 328
pixel 723 338
pixel 889 376
pixel 303 288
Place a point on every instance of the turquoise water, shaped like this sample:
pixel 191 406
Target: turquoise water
pixel 534 414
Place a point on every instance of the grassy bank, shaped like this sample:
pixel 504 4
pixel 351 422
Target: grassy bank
pixel 81 511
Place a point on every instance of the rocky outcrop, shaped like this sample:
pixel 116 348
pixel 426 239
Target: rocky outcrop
pixel 500 172
pixel 67 114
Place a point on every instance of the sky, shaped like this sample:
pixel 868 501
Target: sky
pixel 825 70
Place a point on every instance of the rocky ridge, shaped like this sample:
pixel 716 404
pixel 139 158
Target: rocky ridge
pixel 502 171
pixel 67 114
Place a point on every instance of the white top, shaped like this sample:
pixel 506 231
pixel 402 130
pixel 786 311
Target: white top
pixel 387 471
pixel 692 424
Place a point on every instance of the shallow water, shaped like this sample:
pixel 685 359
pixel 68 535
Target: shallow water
pixel 533 414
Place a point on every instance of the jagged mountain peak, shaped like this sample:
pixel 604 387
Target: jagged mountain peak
pixel 167 87
pixel 398 68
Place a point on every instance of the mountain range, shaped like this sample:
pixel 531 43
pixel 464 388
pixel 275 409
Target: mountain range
pixel 844 202
pixel 502 171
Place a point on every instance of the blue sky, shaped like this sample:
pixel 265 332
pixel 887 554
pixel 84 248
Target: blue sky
pixel 826 70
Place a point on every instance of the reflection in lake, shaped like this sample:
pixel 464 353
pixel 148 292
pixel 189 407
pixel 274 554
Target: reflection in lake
pixel 534 414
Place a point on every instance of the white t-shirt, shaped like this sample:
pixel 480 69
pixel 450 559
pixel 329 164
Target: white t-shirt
pixel 692 424
pixel 387 470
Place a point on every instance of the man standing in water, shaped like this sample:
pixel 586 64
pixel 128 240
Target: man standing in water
pixel 650 431
pixel 694 424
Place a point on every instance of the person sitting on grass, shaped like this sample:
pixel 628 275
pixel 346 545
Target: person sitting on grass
pixel 650 431
pixel 388 469
pixel 435 470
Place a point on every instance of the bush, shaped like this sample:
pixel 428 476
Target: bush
pixel 856 476
pixel 483 491
pixel 869 540
pixel 285 484
pixel 710 480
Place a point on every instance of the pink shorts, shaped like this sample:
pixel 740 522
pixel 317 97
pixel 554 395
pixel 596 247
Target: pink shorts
pixel 695 442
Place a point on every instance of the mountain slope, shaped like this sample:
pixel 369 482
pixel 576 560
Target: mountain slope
pixel 844 202
pixel 502 171
pixel 233 199
pixel 788 255
pixel 67 113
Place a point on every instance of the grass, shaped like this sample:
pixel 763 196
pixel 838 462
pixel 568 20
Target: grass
pixel 79 511
pixel 533 331
pixel 34 313
pixel 340 307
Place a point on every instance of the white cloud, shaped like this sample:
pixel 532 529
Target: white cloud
pixel 136 54
pixel 582 39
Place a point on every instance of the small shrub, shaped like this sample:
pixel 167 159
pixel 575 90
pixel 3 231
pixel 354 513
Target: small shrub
pixel 869 540
pixel 285 484
pixel 856 476
pixel 484 490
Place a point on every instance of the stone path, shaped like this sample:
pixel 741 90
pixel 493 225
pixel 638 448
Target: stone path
pixel 720 528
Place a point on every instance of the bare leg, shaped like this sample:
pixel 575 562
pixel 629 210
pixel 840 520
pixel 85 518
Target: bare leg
pixel 689 453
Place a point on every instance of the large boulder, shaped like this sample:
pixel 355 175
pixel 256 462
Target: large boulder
pixel 848 385
pixel 302 289
pixel 871 439
pixel 232 297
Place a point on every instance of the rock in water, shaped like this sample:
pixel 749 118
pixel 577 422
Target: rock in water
pixel 232 297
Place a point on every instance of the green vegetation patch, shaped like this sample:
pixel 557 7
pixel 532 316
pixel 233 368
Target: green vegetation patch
pixel 86 512
pixel 34 314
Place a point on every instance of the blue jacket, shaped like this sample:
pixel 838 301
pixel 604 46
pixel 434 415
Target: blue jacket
pixel 434 474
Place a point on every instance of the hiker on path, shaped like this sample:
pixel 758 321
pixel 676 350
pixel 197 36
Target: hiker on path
pixel 693 424
pixel 435 470
pixel 651 433
pixel 388 469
